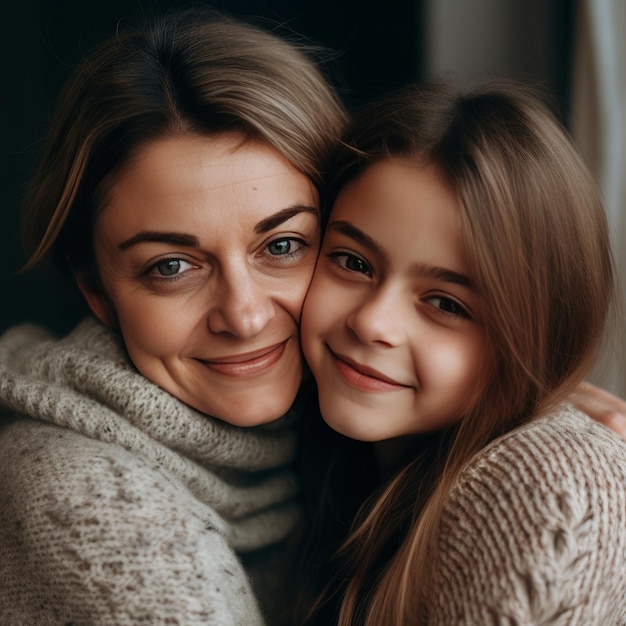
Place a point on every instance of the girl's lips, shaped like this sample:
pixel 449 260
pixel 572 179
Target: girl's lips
pixel 248 364
pixel 363 377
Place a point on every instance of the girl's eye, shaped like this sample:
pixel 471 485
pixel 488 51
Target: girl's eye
pixel 169 267
pixel 447 306
pixel 351 263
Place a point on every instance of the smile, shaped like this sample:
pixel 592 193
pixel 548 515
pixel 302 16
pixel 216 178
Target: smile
pixel 248 364
pixel 362 377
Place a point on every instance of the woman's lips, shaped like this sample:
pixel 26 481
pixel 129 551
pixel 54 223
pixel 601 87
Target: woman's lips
pixel 363 377
pixel 248 364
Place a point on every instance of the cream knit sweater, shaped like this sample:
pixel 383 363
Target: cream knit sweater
pixel 534 533
pixel 121 505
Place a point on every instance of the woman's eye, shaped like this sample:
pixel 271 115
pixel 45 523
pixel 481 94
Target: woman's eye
pixel 448 306
pixel 170 267
pixel 351 262
pixel 285 247
pixel 280 247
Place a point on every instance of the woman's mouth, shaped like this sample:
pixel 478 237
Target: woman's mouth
pixel 247 364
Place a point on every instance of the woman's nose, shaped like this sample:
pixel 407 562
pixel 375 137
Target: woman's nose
pixel 243 308
pixel 380 319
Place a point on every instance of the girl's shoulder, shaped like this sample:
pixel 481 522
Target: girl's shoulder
pixel 559 471
pixel 533 532
pixel 565 445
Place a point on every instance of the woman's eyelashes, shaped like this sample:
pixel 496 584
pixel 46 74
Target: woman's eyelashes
pixel 279 251
pixel 170 268
pixel 285 249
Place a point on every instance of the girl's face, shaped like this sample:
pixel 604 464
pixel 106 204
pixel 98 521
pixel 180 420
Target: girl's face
pixel 392 324
pixel 205 250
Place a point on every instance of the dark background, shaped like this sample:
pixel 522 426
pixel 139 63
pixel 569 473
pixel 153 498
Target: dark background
pixel 377 47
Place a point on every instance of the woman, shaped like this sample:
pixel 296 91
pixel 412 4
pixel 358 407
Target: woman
pixel 179 188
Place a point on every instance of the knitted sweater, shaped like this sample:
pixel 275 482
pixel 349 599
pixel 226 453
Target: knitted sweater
pixel 535 531
pixel 121 505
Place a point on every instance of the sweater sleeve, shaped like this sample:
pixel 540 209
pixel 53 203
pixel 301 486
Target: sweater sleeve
pixel 92 534
pixel 534 532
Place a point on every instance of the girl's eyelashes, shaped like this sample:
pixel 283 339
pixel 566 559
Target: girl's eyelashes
pixel 350 262
pixel 447 306
pixel 443 305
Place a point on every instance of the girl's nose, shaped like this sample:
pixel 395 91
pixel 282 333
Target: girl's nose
pixel 380 319
pixel 244 307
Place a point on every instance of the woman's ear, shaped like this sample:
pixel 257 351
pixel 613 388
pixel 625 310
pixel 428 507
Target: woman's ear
pixel 95 298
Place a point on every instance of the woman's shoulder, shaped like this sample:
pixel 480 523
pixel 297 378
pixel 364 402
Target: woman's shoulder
pixel 86 525
pixel 51 472
pixel 82 500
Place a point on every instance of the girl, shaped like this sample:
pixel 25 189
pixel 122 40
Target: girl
pixel 462 291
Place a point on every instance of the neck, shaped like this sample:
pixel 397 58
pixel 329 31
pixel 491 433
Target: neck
pixel 392 454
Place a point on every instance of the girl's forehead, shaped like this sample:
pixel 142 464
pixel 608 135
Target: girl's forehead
pixel 393 184
pixel 404 212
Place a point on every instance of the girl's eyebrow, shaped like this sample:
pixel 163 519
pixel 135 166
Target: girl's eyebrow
pixel 419 269
pixel 349 230
pixel 442 274
pixel 191 241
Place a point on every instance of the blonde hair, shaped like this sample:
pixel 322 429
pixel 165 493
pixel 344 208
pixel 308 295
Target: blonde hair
pixel 536 240
pixel 187 72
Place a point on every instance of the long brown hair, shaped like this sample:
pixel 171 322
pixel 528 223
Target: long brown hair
pixel 536 239
pixel 190 71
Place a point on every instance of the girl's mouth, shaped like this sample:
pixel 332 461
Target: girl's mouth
pixel 363 377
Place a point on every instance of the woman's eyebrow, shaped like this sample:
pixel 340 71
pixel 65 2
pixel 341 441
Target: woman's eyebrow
pixel 282 216
pixel 191 241
pixel 155 236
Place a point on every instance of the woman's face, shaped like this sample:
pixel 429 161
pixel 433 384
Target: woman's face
pixel 392 325
pixel 205 249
